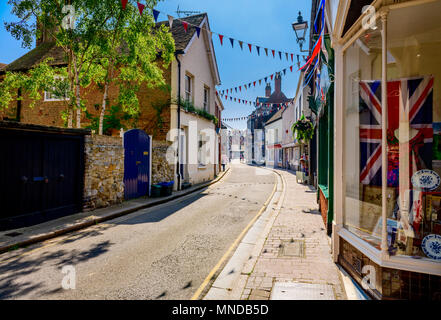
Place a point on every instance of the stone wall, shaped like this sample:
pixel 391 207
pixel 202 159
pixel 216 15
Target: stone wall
pixel 104 171
pixel 161 169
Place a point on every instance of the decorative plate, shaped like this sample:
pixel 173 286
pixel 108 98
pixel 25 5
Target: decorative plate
pixel 431 246
pixel 426 179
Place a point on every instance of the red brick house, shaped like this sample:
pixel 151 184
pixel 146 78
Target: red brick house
pixel 193 75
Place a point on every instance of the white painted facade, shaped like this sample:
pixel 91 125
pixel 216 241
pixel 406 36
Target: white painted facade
pixel 273 139
pixel 199 144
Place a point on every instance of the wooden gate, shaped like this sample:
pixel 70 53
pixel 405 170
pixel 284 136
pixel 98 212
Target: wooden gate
pixel 41 174
pixel 137 164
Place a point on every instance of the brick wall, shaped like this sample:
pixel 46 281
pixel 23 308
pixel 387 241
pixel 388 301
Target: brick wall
pixel 154 108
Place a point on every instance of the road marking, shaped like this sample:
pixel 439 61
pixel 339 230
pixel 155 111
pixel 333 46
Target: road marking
pixel 232 247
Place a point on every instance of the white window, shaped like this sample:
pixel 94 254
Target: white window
pixel 188 87
pixel 51 95
pixel 206 99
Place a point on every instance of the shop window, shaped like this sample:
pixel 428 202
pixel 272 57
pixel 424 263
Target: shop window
pixel 413 133
pixel 414 130
pixel 362 138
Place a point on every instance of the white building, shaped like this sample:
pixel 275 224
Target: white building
pixel 273 140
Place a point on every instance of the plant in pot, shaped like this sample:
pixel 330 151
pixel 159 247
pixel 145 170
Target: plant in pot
pixel 303 131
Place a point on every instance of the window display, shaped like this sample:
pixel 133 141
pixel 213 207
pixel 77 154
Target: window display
pixel 362 138
pixel 413 134
pixel 413 74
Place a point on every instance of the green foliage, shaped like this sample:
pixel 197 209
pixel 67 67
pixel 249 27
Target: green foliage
pixel 303 129
pixel 42 78
pixel 189 107
pixel 105 39
pixel 114 118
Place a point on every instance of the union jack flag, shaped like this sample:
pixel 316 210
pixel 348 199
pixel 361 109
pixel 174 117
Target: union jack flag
pixel 409 100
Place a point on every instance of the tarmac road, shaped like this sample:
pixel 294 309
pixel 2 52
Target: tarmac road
pixel 164 252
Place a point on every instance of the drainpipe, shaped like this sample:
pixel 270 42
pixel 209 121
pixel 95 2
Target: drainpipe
pixel 178 169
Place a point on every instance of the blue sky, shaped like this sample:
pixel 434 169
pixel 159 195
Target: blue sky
pixel 266 23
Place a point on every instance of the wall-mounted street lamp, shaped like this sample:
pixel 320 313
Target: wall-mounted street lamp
pixel 300 28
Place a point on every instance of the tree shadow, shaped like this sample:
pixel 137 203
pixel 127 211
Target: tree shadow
pixel 12 271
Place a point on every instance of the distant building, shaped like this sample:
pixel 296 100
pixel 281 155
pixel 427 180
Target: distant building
pixel 266 107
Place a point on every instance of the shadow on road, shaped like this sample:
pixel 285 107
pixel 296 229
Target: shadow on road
pixel 164 212
pixel 21 266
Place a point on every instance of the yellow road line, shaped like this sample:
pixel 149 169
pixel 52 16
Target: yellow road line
pixel 232 247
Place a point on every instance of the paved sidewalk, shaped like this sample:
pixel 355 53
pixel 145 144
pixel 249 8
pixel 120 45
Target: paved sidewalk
pixel 296 250
pixel 13 239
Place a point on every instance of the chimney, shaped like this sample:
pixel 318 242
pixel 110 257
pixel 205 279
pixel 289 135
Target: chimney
pixel 278 82
pixel 267 90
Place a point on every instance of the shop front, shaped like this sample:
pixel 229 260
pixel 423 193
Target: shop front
pixel 387 165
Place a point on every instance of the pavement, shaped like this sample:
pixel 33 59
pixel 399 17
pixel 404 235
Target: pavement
pixel 285 255
pixel 22 237
pixel 161 252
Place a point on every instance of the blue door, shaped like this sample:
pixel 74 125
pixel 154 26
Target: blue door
pixel 137 164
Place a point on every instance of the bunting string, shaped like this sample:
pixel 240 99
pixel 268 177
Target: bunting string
pixel 255 83
pixel 281 54
pixel 248 102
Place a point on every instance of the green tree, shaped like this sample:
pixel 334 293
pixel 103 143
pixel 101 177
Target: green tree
pixel 106 44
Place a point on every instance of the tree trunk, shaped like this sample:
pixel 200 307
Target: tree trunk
pixel 77 94
pixel 69 119
pixel 103 108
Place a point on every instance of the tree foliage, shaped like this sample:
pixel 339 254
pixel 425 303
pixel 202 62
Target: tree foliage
pixel 108 46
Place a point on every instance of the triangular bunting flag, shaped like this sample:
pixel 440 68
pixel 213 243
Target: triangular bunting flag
pixel 124 3
pixel 140 7
pixel 155 15
pixel 254 83
pixel 245 86
pixel 240 88
pixel 284 71
pixel 292 57
pixel 170 21
pixel 260 82
pixel 266 51
pixel 290 68
pixel 273 52
pixel 185 24
pixel 280 55
pixel 241 45
pixel 198 31
pixel 272 77
pixel 249 46
pixel 258 50
pixel 265 79
pixel 232 42
pixel 286 54
pixel 221 38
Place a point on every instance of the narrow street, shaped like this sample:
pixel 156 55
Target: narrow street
pixel 164 252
